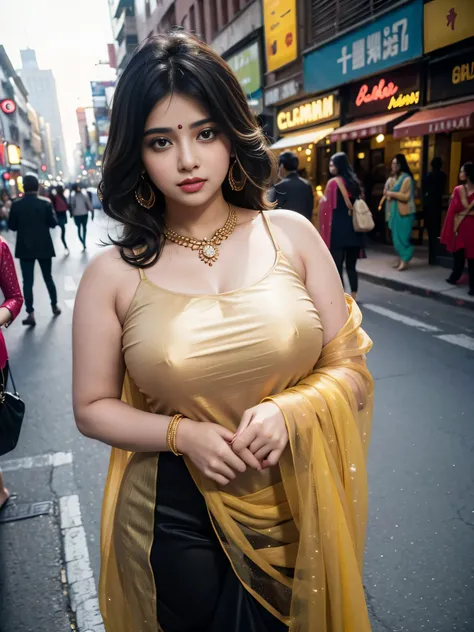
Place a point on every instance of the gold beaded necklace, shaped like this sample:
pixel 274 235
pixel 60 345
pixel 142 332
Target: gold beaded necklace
pixel 207 248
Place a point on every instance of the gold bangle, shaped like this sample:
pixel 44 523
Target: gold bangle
pixel 172 432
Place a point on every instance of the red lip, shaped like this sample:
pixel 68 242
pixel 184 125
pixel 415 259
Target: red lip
pixel 190 181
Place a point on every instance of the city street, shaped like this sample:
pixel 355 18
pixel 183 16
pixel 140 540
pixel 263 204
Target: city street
pixel 420 546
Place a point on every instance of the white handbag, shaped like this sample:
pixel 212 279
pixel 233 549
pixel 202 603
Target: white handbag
pixel 362 219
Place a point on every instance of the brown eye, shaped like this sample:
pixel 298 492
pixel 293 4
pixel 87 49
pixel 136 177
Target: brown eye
pixel 207 134
pixel 160 143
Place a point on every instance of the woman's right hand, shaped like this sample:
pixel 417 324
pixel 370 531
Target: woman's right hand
pixel 208 446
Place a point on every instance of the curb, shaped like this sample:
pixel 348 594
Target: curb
pixel 418 291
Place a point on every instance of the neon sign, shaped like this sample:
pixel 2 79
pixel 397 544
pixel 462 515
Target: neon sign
pixel 382 91
pixel 307 113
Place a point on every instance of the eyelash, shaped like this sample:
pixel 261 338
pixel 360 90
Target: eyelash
pixel 154 143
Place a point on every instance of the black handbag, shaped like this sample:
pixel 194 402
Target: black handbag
pixel 12 411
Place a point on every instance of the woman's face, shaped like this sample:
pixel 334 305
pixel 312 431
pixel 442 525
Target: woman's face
pixel 395 166
pixel 462 175
pixel 332 168
pixel 184 152
pixel 4 196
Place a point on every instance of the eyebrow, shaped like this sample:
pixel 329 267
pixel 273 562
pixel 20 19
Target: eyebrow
pixel 168 130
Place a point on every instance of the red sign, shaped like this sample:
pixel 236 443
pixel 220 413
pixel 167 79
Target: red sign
pixel 8 106
pixel 379 91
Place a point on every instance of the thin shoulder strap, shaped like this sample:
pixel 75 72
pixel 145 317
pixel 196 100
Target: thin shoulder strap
pixel 141 271
pixel 343 190
pixel 268 224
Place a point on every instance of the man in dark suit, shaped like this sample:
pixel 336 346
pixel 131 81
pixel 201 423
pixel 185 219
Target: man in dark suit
pixel 32 217
pixel 292 192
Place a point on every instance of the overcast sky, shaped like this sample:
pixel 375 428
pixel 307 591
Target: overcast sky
pixel 69 37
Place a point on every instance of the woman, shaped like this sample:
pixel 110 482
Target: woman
pixel 336 224
pixel 458 230
pixel 401 199
pixel 215 351
pixel 5 206
pixel 9 310
pixel 61 207
pixel 80 208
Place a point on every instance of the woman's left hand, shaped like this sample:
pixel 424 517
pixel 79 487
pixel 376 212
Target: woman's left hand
pixel 262 430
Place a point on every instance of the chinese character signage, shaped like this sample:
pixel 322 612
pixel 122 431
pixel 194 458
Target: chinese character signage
pixel 451 77
pixel 389 41
pixel 280 32
pixel 389 92
pixel 447 22
pixel 246 66
pixel 308 113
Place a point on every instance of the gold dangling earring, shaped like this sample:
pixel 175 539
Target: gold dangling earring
pixel 151 198
pixel 234 185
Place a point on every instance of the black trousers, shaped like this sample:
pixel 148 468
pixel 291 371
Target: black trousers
pixel 197 589
pixel 433 227
pixel 81 223
pixel 459 261
pixel 62 221
pixel 28 272
pixel 349 256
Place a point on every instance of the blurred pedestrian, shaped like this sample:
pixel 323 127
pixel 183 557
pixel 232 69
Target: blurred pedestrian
pixel 32 217
pixel 292 192
pixel 5 206
pixel 80 208
pixel 61 206
pixel 458 230
pixel 434 186
pixel 336 225
pixel 9 310
pixel 402 210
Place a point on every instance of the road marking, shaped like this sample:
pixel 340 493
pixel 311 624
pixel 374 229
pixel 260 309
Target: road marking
pixel 70 284
pixel 80 578
pixel 53 459
pixel 461 340
pixel 70 302
pixel 406 320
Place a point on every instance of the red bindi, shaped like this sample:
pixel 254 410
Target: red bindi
pixel 180 126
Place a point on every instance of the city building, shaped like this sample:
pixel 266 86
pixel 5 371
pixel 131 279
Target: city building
pixel 41 87
pixel 124 28
pixel 18 144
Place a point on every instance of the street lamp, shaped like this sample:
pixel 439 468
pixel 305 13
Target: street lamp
pixel 58 158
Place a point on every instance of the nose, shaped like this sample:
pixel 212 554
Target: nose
pixel 187 156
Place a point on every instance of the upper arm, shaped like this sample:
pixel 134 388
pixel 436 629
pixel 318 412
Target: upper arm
pixel 98 366
pixel 319 272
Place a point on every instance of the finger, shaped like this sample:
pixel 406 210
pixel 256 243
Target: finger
pixel 225 433
pixel 243 441
pixel 234 461
pixel 244 422
pixel 272 458
pixel 249 459
pixel 219 479
pixel 224 470
pixel 263 453
pixel 257 444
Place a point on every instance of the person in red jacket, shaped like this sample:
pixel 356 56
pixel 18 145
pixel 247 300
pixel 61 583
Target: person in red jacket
pixel 458 230
pixel 9 310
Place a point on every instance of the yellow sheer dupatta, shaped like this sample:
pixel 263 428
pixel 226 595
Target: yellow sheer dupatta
pixel 312 524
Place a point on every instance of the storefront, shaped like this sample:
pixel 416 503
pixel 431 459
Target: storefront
pixel 304 127
pixel 374 107
pixel 447 123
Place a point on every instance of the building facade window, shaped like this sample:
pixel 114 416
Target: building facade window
pixel 225 11
pixel 192 19
pixel 329 17
pixel 213 8
pixel 235 6
pixel 202 19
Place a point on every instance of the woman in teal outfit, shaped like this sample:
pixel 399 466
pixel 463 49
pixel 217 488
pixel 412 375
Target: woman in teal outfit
pixel 401 199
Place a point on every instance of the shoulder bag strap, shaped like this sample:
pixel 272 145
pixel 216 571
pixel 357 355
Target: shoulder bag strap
pixel 13 381
pixel 345 195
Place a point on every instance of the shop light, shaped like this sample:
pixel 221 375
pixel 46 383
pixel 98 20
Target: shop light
pixel 380 138
pixel 310 145
pixel 300 148
pixel 308 152
pixel 308 159
pixel 361 155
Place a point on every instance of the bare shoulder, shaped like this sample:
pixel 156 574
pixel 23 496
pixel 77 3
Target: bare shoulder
pixel 295 227
pixel 106 269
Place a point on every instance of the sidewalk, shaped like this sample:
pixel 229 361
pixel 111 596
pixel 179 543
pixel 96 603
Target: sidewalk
pixel 420 278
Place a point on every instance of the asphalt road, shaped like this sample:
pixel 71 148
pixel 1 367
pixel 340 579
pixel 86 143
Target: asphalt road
pixel 420 547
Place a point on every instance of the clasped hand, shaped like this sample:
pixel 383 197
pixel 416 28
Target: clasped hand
pixel 220 454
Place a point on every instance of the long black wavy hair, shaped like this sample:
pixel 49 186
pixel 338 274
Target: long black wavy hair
pixel 176 63
pixel 402 161
pixel 345 170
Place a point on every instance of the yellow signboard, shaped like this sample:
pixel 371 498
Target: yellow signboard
pixel 447 22
pixel 306 113
pixel 280 32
